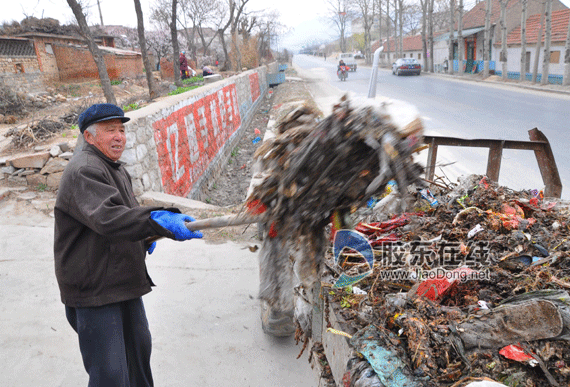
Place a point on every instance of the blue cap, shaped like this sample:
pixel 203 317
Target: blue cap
pixel 100 112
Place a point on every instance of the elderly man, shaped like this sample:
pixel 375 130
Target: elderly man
pixel 100 250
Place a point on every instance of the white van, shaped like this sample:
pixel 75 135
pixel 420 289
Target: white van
pixel 348 60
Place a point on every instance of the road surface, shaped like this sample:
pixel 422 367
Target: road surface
pixel 453 107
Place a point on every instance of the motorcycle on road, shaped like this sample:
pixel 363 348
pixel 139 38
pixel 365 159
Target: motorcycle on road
pixel 342 73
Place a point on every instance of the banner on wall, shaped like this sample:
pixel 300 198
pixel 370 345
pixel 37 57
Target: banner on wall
pixel 190 138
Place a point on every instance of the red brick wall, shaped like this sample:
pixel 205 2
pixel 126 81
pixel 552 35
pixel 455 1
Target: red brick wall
pixel 166 69
pixel 76 64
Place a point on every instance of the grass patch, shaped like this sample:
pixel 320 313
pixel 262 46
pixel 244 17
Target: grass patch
pixel 197 78
pixel 181 90
pixel 116 82
pixel 235 151
pixel 131 106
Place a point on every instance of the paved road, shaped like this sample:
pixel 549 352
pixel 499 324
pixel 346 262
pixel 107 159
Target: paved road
pixel 452 107
pixel 203 315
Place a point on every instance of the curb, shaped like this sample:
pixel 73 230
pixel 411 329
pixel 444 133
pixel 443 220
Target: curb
pixel 464 79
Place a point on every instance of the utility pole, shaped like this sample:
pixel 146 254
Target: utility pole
pixel 100 13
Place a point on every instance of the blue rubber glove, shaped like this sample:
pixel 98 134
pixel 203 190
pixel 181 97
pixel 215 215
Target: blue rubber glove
pixel 151 248
pixel 175 223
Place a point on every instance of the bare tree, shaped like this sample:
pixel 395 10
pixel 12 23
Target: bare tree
pixel 142 41
pixel 460 41
pixel 175 46
pixel 451 33
pixel 503 23
pixel 566 79
pixel 547 38
pixel 430 34
pixel 487 37
pixel 366 8
pixel 340 13
pixel 424 5
pixel 538 45
pixel 94 49
pixel 523 39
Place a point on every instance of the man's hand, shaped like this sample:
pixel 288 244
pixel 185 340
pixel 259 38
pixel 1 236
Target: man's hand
pixel 175 223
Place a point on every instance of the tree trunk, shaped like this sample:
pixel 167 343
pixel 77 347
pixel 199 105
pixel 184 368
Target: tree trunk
pixel 424 34
pixel 388 31
pixel 95 52
pixel 224 48
pixel 523 40
pixel 430 35
pixel 566 79
pixel 547 38
pixel 503 22
pixel 401 23
pixel 380 22
pixel 460 42
pixel 175 47
pixel 142 41
pixel 451 33
pixel 538 45
pixel 487 38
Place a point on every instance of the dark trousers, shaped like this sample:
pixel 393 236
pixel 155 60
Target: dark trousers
pixel 115 343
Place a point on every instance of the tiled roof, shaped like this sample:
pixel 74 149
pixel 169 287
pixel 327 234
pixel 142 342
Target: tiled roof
pixel 475 17
pixel 411 43
pixel 559 29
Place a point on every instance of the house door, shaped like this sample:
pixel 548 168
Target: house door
pixel 470 51
pixel 527 62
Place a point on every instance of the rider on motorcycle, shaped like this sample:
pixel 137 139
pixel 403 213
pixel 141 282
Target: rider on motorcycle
pixel 341 65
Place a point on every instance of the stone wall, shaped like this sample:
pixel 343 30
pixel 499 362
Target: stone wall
pixel 179 144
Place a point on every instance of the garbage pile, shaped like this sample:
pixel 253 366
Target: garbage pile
pixel 313 169
pixel 470 284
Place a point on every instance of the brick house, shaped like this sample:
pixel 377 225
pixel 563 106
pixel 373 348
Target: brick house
pixel 473 31
pixel 560 20
pixel 66 58
pixel 19 64
pixel 412 47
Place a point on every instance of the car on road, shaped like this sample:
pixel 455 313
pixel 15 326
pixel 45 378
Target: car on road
pixel 349 60
pixel 406 66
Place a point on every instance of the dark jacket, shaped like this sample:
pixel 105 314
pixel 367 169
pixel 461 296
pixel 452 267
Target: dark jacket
pixel 100 229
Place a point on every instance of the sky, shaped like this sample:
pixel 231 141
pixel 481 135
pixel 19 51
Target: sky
pixel 304 19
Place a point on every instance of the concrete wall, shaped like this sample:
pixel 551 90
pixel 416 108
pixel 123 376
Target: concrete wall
pixel 179 144
pixel 514 59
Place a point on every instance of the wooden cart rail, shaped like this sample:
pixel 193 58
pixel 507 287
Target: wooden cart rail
pixel 538 143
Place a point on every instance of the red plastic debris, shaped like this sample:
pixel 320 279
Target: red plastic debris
pixel 515 352
pixel 272 231
pixel 255 207
pixel 436 288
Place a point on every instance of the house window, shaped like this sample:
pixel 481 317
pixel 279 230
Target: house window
pixel 404 56
pixel 554 56
pixel 419 56
pixel 19 68
pixel 49 48
pixel 411 54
